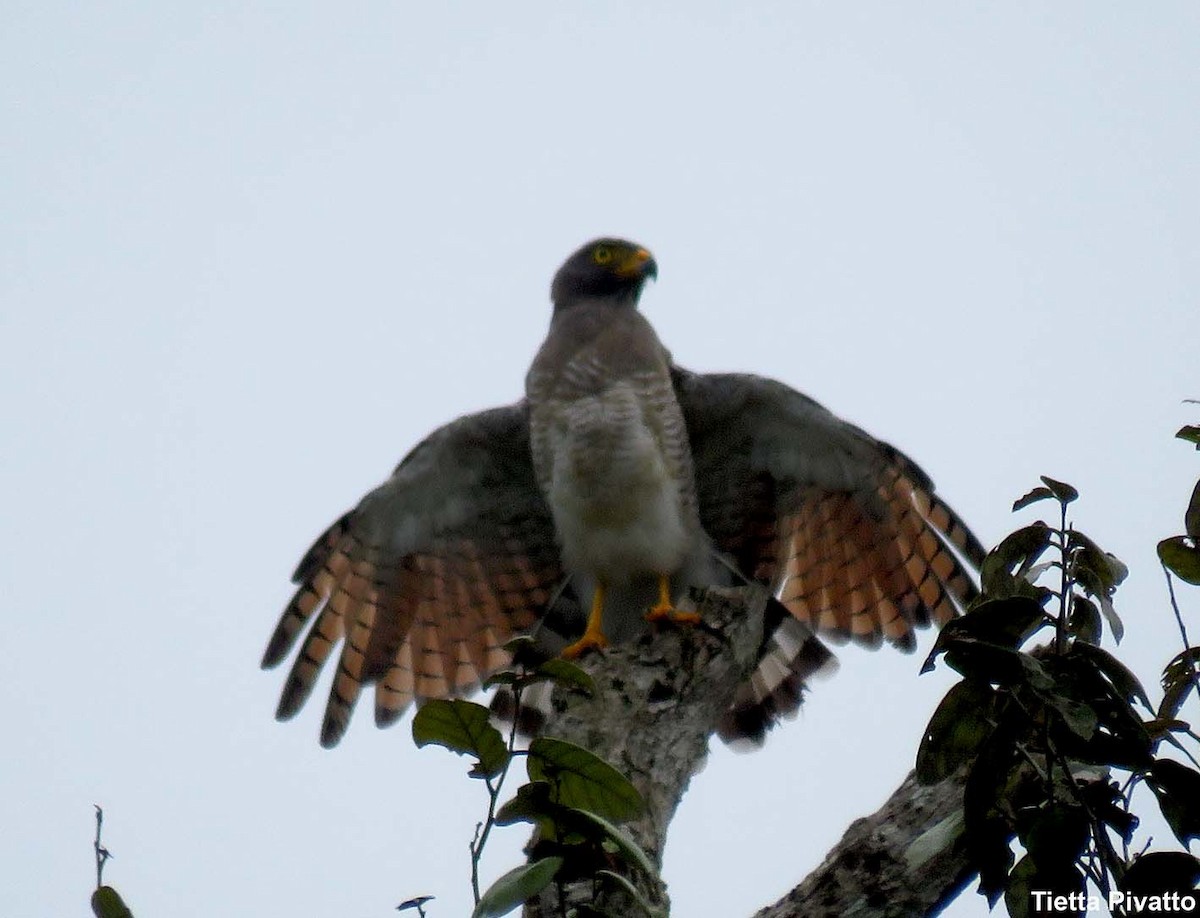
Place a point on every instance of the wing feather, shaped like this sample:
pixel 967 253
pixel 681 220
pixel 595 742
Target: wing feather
pixel 424 581
pixel 845 530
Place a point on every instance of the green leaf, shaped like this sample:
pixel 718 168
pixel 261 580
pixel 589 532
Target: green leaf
pixel 516 887
pixel 520 643
pixel 632 892
pixel 500 677
pixel 1105 800
pixel 1161 872
pixel 526 652
pixel 1121 739
pixel 1055 834
pixel 1016 551
pixel 1107 569
pixel 1084 623
pixel 987 830
pixel 1190 434
pixel 416 903
pixel 1191 516
pixel 583 779
pixel 1125 682
pixel 1177 788
pixel 564 672
pixel 532 803
pixel 1099 574
pixel 957 729
pixel 1115 626
pixel 1060 879
pixel 988 662
pixel 1181 558
pixel 1018 894
pixel 1032 497
pixel 1118 750
pixel 1162 728
pixel 462 727
pixel 1081 719
pixel 107 903
pixel 630 850
pixel 1008 622
pixel 1178 679
pixel 1062 491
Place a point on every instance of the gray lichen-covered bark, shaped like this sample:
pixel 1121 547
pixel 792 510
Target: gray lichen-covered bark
pixel 908 858
pixel 657 703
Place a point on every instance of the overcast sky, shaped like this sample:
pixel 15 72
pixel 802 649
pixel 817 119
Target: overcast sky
pixel 251 253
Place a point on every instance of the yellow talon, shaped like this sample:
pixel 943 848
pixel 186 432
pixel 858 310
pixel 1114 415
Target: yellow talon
pixel 593 636
pixel 664 610
pixel 589 641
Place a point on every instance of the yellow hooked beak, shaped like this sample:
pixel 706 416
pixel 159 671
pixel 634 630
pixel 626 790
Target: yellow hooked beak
pixel 638 263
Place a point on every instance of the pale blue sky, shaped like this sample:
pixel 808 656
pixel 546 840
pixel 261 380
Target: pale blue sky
pixel 251 253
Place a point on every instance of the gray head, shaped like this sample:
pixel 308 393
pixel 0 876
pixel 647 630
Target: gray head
pixel 604 268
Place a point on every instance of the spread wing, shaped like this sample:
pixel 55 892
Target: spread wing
pixel 427 577
pixel 845 530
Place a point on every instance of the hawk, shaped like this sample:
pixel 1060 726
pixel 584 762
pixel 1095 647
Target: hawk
pixel 595 502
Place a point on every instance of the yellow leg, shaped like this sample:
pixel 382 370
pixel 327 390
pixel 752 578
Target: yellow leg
pixel 593 637
pixel 663 610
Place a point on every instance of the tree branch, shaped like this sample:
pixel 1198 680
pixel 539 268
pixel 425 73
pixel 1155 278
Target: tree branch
pixel 908 858
pixel 657 703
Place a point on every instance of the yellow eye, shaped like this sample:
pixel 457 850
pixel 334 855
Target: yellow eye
pixel 602 255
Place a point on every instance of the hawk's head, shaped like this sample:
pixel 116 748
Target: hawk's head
pixel 605 268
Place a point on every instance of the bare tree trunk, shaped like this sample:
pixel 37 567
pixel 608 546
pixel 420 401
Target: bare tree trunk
pixel 658 702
